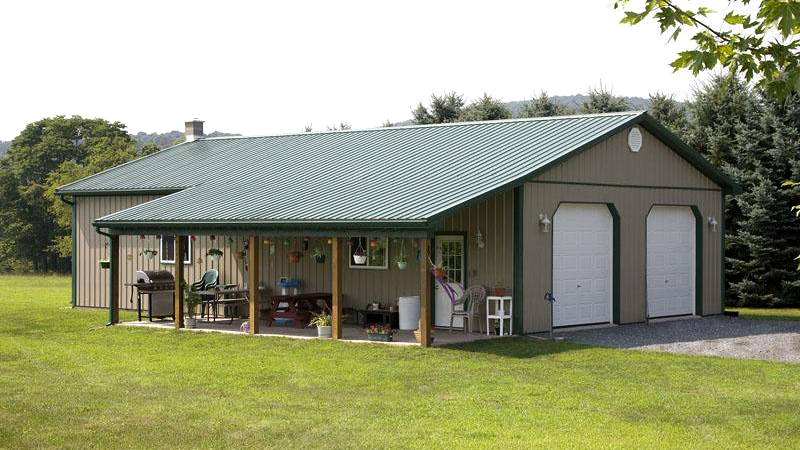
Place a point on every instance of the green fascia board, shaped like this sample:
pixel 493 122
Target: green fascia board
pixel 117 192
pixel 689 154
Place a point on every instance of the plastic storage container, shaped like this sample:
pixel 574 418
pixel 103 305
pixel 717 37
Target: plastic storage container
pixel 408 309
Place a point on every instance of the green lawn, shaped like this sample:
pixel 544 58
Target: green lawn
pixel 768 314
pixel 68 382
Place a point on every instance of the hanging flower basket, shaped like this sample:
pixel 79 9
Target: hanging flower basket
pixel 149 254
pixel 439 272
pixel 360 256
pixel 294 256
pixel 214 254
pixel 402 264
pixel 105 264
pixel 239 255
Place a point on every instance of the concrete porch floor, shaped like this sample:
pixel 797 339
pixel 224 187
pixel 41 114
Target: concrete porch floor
pixel 351 333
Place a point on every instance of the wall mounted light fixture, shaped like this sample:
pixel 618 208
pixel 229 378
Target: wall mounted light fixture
pixel 544 223
pixel 712 222
pixel 479 239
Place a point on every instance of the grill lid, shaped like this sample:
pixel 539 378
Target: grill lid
pixel 154 276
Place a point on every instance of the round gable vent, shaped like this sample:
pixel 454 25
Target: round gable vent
pixel 635 139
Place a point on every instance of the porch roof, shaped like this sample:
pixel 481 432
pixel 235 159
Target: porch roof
pixel 401 178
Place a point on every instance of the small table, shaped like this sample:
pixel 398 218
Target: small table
pixel 499 312
pixel 387 317
pixel 217 297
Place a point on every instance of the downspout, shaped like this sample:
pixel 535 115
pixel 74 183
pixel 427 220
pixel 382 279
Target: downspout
pixel 110 279
pixel 73 257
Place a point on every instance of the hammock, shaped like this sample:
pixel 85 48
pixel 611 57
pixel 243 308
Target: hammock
pixel 451 293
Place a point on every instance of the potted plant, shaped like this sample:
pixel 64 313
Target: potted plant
pixel 380 332
pixel 105 264
pixel 418 335
pixel 294 256
pixel 319 255
pixel 214 254
pixel 360 256
pixel 401 261
pixel 190 299
pixel 245 327
pixel 439 270
pixel 149 254
pixel 323 322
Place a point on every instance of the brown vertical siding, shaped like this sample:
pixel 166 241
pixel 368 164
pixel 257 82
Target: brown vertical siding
pixel 493 265
pixel 92 283
pixel 633 182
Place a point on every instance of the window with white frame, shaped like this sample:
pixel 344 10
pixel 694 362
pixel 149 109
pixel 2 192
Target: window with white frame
pixel 168 249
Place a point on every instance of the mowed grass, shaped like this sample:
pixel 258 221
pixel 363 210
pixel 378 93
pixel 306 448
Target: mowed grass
pixel 68 382
pixel 767 313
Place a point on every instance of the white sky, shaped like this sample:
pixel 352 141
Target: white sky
pixel 259 67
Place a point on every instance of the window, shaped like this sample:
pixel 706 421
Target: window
pixel 168 249
pixel 369 252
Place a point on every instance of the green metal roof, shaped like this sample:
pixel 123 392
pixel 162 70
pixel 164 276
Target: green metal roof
pixel 392 177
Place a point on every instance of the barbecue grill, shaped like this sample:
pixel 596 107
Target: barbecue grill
pixel 159 287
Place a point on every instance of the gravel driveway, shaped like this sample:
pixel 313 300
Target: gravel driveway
pixel 713 336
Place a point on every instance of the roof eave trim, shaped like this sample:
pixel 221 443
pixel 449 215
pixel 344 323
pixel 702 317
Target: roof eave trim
pixel 116 192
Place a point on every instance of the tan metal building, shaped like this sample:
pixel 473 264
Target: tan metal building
pixel 610 215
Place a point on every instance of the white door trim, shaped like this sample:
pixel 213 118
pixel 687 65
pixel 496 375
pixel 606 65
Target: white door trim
pixel 442 302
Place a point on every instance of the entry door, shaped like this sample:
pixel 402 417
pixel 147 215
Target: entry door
pixel 450 253
pixel 670 261
pixel 582 264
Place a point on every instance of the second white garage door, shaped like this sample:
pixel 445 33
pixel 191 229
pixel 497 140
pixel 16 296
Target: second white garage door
pixel 670 261
pixel 582 264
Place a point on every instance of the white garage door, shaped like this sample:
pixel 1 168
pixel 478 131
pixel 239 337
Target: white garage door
pixel 670 261
pixel 582 264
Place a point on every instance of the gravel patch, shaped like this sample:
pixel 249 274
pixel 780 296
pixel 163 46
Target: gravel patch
pixel 712 336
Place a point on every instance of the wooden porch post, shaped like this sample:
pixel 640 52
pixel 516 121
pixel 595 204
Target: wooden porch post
pixel 336 288
pixel 113 281
pixel 253 280
pixel 425 293
pixel 179 282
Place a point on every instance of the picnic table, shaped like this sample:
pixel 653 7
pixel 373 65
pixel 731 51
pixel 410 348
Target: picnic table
pixel 297 308
pixel 215 297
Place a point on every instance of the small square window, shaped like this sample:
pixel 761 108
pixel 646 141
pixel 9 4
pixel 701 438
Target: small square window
pixel 369 252
pixel 168 249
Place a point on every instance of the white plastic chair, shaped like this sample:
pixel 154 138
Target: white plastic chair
pixel 472 301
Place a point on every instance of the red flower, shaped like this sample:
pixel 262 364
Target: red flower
pixel 373 243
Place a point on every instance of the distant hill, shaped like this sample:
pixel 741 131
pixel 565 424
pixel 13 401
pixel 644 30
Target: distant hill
pixel 164 140
pixel 570 101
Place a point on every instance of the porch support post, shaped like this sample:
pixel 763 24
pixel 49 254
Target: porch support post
pixel 179 282
pixel 336 288
pixel 253 280
pixel 113 281
pixel 425 293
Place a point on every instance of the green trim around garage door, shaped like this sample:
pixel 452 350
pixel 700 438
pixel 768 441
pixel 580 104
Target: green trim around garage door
pixel 698 262
pixel 615 277
pixel 519 248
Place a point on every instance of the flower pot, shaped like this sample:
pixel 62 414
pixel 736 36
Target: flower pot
pixel 324 332
pixel 381 337
pixel 294 257
pixel 149 254
pixel 105 264
pixel 190 322
pixel 418 336
pixel 402 265
pixel 439 272
pixel 360 259
pixel 320 259
pixel 214 257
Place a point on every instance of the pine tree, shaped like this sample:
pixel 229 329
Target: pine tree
pixel 544 106
pixel 603 101
pixel 444 109
pixel 669 112
pixel 766 239
pixel 484 108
